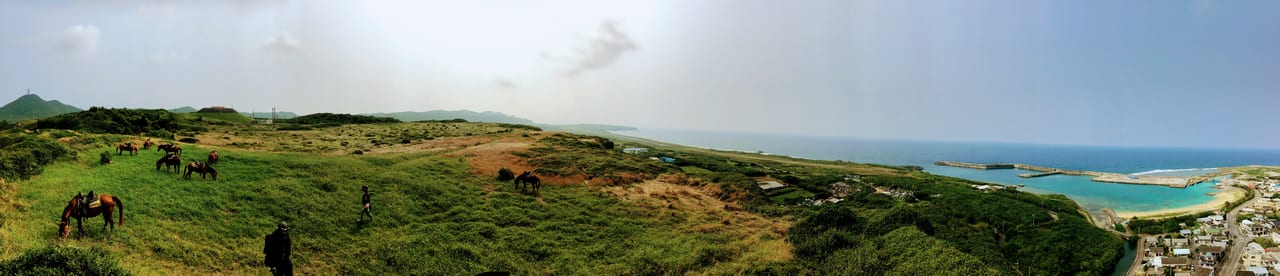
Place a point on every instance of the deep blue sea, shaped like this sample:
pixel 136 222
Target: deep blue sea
pixel 1091 195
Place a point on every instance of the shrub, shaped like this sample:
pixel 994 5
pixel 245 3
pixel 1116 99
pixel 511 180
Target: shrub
pixel 520 126
pixel 104 158
pixel 23 156
pixel 63 261
pixel 188 140
pixel 505 174
pixel 160 133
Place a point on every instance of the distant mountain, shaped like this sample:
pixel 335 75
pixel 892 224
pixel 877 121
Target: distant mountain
pixel 470 116
pixel 185 109
pixel 31 106
pixel 279 115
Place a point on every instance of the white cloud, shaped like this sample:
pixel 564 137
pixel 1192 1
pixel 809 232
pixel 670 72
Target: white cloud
pixel 602 50
pixel 79 40
pixel 169 58
pixel 284 43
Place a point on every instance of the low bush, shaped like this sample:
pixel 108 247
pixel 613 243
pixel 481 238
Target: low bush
pixel 63 261
pixel 505 174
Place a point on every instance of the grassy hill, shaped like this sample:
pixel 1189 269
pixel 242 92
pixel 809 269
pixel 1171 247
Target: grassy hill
pixel 185 109
pixel 31 106
pixel 439 209
pixel 219 117
pixel 470 116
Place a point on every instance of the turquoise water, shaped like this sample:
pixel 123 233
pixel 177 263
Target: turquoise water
pixel 1091 195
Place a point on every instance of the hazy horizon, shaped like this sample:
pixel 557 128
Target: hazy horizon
pixel 1197 73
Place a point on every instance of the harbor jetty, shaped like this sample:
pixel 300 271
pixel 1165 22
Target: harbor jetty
pixel 1171 181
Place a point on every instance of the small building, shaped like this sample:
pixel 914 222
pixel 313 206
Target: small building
pixel 1181 252
pixel 1253 254
pixel 1174 262
pixel 635 150
pixel 770 185
pixel 665 159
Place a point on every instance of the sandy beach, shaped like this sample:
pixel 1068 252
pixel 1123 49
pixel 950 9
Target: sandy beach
pixel 1220 198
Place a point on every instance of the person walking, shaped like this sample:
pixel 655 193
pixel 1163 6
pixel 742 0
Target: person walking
pixel 364 200
pixel 277 249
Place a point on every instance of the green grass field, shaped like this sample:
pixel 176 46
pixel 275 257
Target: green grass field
pixel 432 217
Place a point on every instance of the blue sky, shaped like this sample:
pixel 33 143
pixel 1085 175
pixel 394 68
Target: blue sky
pixel 1156 73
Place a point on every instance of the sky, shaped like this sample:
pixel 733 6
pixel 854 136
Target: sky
pixel 1198 73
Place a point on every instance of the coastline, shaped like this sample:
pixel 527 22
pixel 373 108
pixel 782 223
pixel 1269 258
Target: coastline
pixel 1220 198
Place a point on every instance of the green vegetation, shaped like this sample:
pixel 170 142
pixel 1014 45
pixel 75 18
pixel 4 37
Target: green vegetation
pixel 1004 231
pixel 339 119
pixel 570 154
pixel 505 174
pixel 431 217
pixel 520 126
pixel 32 106
pixel 218 118
pixel 63 261
pixel 185 109
pixel 23 156
pixel 1249 194
pixel 1165 225
pixel 119 121
pixel 437 212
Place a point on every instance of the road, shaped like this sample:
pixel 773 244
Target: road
pixel 1239 239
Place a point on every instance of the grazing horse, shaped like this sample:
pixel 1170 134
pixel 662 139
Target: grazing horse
pixel 169 148
pixel 202 168
pixel 170 161
pixel 213 157
pixel 127 147
pixel 146 145
pixel 527 178
pixel 80 208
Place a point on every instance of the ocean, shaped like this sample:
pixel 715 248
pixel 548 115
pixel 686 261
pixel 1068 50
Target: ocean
pixel 1090 195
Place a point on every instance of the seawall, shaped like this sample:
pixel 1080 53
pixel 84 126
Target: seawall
pixel 1171 181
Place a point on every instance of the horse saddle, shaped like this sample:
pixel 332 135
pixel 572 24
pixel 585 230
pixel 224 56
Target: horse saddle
pixel 95 203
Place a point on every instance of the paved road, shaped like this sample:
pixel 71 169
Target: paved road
pixel 1239 240
pixel 1138 255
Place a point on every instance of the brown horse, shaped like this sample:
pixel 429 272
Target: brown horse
pixel 528 178
pixel 127 147
pixel 213 157
pixel 77 209
pixel 202 168
pixel 146 145
pixel 170 161
pixel 169 148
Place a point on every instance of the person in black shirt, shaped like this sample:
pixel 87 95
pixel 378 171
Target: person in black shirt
pixel 364 200
pixel 277 251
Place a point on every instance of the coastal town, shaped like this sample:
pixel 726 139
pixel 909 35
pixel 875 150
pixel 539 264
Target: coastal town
pixel 1244 240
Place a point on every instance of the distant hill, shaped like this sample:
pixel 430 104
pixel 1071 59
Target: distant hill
pixel 279 114
pixel 470 116
pixel 216 117
pixel 31 106
pixel 338 119
pixel 119 121
pixel 185 109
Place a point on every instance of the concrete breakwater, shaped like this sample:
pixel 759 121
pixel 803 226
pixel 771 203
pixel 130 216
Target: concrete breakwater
pixel 1171 181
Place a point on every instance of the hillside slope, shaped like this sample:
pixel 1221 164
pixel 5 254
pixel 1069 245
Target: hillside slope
pixel 439 210
pixel 31 106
